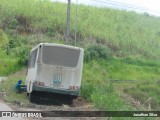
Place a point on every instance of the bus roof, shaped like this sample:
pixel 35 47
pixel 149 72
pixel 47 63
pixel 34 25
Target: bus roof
pixel 54 44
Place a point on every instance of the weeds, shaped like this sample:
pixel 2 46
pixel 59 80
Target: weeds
pixel 96 85
pixel 8 89
pixel 3 40
pixel 125 33
pixel 8 64
pixel 147 94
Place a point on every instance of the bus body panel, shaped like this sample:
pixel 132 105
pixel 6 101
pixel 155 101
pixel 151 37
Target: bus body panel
pixel 55 78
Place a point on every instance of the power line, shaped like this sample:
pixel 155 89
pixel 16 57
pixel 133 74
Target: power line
pixel 76 22
pixel 135 6
pixel 119 4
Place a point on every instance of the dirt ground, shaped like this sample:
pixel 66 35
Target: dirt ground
pixel 63 104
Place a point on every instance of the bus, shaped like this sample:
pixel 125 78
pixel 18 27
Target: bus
pixel 54 68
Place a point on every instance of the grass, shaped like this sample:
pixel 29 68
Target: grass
pixel 8 64
pixel 132 72
pixel 120 69
pixel 8 89
pixel 133 39
pixel 96 85
pixel 126 33
pixel 147 92
pixel 97 88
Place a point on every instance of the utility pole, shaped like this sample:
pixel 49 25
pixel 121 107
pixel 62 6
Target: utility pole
pixel 67 42
pixel 75 42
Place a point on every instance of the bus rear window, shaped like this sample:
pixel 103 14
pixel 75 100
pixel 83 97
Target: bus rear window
pixel 60 56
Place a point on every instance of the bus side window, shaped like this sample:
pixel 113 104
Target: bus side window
pixel 32 60
pixel 39 55
pixel 27 65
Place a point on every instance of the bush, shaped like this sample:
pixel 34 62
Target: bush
pixel 3 40
pixel 96 52
pixel 13 24
pixel 22 53
pixel 87 90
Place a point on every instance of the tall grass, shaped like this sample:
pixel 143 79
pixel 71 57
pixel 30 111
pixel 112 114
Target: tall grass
pixel 126 33
pixel 119 69
pixel 8 64
pixel 129 70
pixel 147 92
pixel 96 85
pixel 40 15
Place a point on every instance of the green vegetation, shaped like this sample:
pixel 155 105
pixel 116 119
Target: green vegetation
pixel 7 89
pixel 118 45
pixel 8 64
pixel 97 75
pixel 147 92
pixel 3 40
pixel 96 52
pixel 125 33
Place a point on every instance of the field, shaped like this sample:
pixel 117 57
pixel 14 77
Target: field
pixel 130 43
pixel 126 33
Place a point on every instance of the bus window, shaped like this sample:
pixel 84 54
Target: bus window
pixel 33 59
pixel 60 56
pixel 39 55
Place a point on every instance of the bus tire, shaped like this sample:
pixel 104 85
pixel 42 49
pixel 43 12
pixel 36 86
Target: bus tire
pixel 31 97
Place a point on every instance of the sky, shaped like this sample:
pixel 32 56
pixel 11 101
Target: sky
pixel 150 6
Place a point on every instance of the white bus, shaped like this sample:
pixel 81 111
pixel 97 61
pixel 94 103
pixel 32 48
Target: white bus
pixel 54 68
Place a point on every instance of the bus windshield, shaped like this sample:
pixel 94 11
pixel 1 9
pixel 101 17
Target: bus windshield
pixel 60 56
